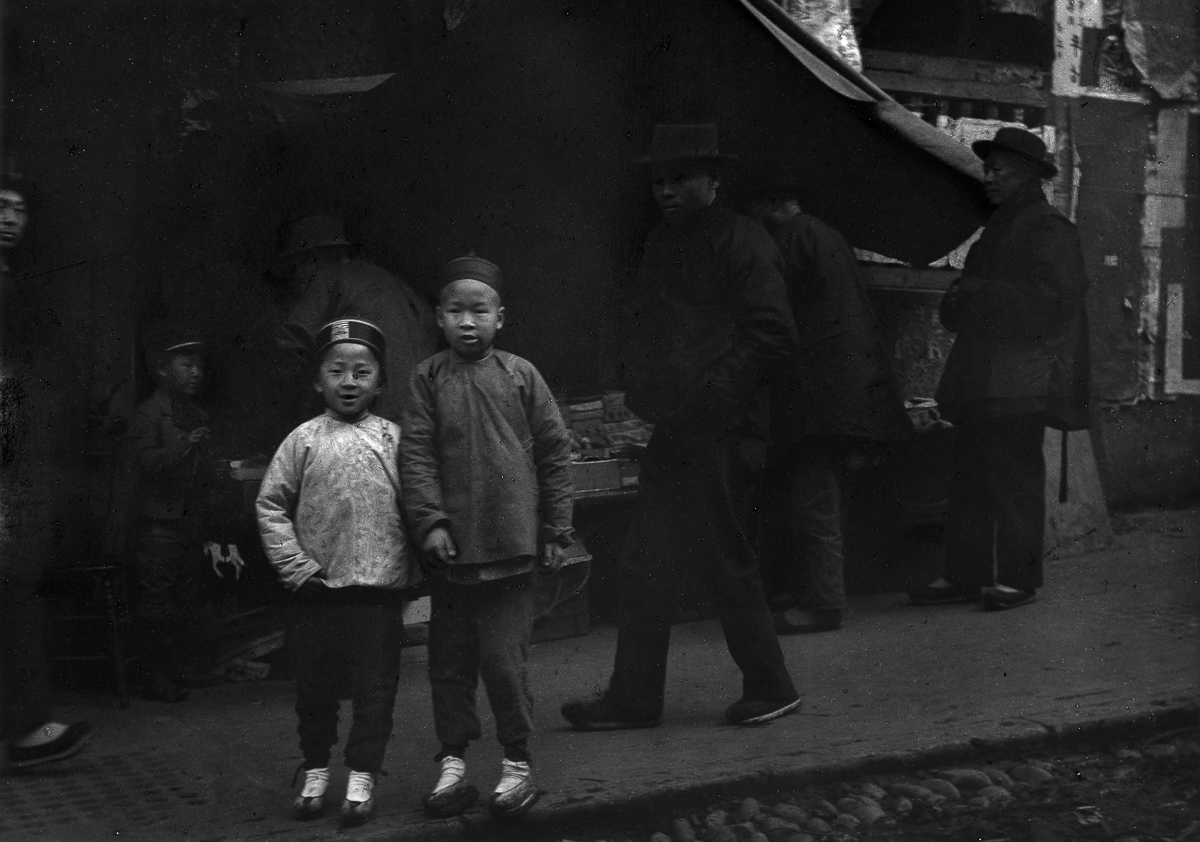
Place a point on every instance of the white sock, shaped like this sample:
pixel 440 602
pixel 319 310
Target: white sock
pixel 454 769
pixel 512 774
pixel 47 733
pixel 360 786
pixel 316 782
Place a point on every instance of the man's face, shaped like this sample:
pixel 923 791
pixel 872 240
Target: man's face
pixel 183 373
pixel 1004 173
pixel 683 188
pixel 13 218
pixel 469 314
pixel 349 380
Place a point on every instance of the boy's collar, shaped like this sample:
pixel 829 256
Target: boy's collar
pixel 338 417
pixel 490 352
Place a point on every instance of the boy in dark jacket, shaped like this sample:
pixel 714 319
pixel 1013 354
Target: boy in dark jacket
pixel 487 491
pixel 169 433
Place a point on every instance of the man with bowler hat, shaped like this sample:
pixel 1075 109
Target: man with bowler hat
pixel 1019 364
pixel 327 281
pixel 709 322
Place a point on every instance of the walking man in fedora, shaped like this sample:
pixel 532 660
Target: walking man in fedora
pixel 327 281
pixel 709 323
pixel 1019 364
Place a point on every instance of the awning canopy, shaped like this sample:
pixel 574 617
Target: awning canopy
pixel 891 182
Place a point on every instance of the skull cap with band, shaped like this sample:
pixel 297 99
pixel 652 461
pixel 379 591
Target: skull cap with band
pixel 355 331
pixel 170 340
pixel 471 267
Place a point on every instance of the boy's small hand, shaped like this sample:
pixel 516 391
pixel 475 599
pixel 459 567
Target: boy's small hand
pixel 440 546
pixel 199 435
pixel 311 586
pixel 552 557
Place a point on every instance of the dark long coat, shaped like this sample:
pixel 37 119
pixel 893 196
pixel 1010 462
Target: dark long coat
pixel 709 323
pixel 1018 312
pixel 842 381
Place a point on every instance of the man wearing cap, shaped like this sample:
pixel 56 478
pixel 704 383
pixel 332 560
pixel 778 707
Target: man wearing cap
pixel 838 402
pixel 326 282
pixel 1019 364
pixel 709 323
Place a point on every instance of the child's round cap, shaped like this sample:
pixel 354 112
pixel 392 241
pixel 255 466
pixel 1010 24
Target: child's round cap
pixel 351 330
pixel 471 267
pixel 172 339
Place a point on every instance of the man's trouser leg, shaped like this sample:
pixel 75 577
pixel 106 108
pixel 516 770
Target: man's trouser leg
pixel 815 509
pixel 691 524
pixel 1019 465
pixel 995 518
pixel 24 682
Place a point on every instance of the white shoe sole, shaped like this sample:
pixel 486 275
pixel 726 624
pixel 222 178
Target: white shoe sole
pixel 775 714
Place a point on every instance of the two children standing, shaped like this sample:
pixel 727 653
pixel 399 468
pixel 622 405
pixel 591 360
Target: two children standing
pixel 477 476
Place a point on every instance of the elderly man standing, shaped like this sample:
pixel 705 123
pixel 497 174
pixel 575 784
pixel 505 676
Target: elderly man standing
pixel 1019 364
pixel 326 281
pixel 710 322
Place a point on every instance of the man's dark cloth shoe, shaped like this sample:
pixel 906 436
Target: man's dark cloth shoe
pixel 450 802
pixel 164 690
pixel 934 594
pixel 600 714
pixel 758 711
pixel 996 599
pixel 67 744
pixel 807 620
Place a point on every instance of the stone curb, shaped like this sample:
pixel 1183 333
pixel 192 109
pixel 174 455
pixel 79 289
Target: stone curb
pixel 545 824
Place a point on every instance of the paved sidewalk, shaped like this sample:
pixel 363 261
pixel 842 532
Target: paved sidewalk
pixel 1114 637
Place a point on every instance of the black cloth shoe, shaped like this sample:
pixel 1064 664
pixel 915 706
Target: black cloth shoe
pixel 997 599
pixel 942 594
pixel 162 689
pixel 807 620
pixel 758 711
pixel 67 744
pixel 599 714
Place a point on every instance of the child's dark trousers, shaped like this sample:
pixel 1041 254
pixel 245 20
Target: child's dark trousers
pixel 481 630
pixel 347 643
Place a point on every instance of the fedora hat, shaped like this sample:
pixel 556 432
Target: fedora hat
pixel 1023 143
pixel 305 234
pixel 676 142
